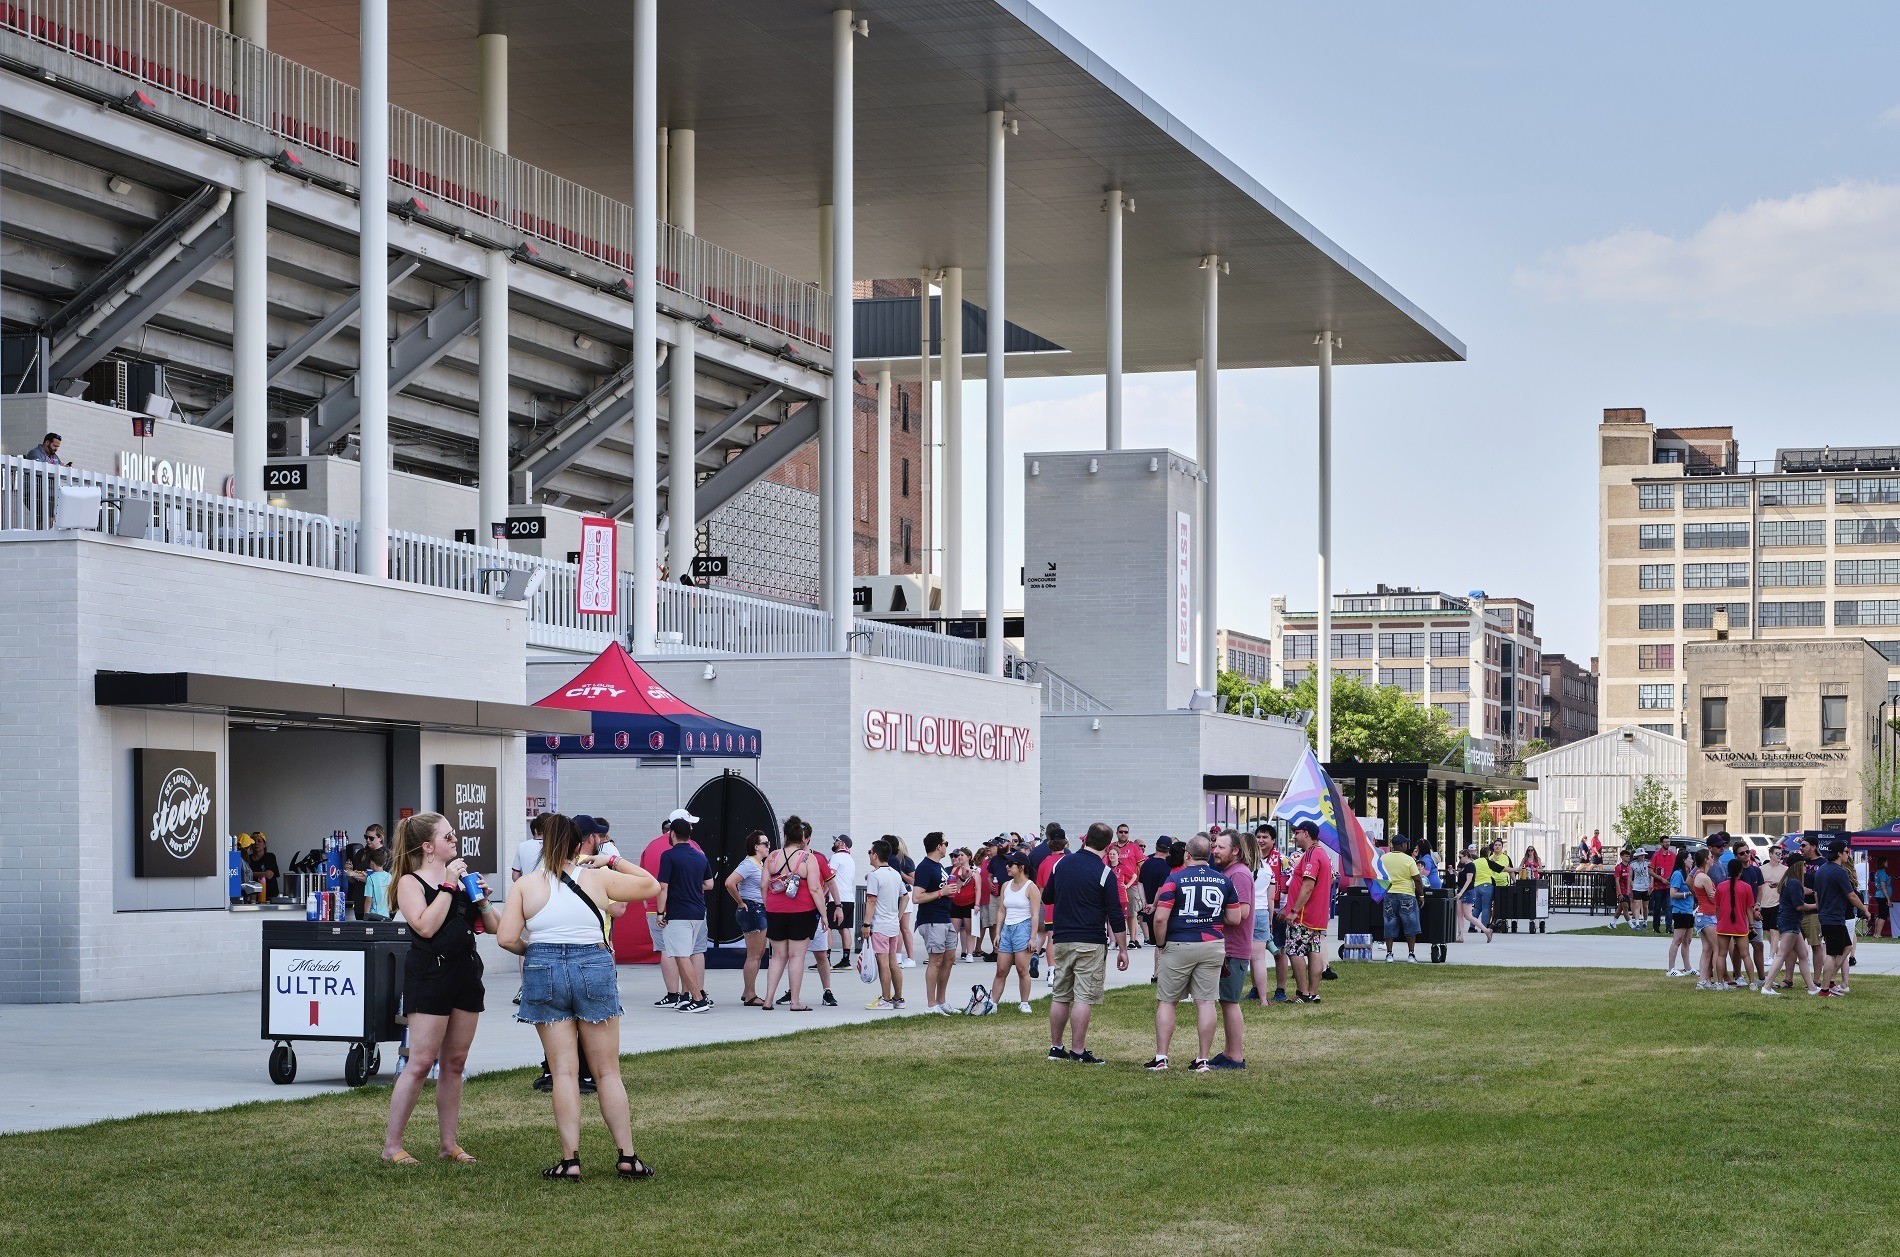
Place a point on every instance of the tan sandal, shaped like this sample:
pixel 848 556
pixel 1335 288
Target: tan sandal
pixel 456 1155
pixel 400 1158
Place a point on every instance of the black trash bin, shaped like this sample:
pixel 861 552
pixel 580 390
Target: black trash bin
pixel 336 982
pixel 1438 922
pixel 1358 914
pixel 1524 902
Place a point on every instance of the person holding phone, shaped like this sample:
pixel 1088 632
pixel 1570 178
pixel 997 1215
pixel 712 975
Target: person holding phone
pixel 442 977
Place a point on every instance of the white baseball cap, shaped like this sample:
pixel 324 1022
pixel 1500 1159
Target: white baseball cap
pixel 681 814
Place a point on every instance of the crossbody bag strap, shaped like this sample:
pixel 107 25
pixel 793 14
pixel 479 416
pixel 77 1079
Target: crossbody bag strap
pixel 592 907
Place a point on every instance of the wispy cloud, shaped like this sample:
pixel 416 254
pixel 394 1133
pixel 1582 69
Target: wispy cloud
pixel 1833 252
pixel 1891 117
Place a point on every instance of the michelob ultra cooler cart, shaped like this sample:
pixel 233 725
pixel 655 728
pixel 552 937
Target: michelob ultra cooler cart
pixel 336 982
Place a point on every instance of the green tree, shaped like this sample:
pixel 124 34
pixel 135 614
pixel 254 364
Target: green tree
pixel 1650 815
pixel 1880 793
pixel 1370 722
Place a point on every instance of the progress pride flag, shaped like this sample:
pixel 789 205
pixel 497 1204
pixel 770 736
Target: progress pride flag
pixel 596 592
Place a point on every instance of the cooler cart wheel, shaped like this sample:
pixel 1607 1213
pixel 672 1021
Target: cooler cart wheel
pixel 1540 927
pixel 356 1069
pixel 283 1064
pixel 1438 954
pixel 375 1060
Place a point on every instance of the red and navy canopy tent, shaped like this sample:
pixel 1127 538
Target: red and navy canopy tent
pixel 1884 838
pixel 636 717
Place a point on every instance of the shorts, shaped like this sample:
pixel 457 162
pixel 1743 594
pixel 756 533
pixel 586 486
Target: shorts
pixel 681 939
pixel 1704 921
pixel 1263 924
pixel 1469 897
pixel 1401 917
pixel 989 913
pixel 791 927
pixel 847 914
pixel 751 917
pixel 1233 978
pixel 1811 928
pixel 569 982
pixel 1623 901
pixel 1189 971
pixel 1014 938
pixel 1080 973
pixel 1306 940
pixel 938 937
pixel 884 944
pixel 960 912
pixel 1681 921
pixel 1279 933
pixel 435 987
pixel 1836 937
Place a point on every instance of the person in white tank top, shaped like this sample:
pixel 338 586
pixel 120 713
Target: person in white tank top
pixel 1016 934
pixel 556 919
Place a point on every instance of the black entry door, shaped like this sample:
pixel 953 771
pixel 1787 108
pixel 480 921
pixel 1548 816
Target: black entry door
pixel 728 807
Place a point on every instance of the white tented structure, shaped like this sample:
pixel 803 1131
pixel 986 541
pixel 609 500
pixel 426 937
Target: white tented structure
pixel 1581 786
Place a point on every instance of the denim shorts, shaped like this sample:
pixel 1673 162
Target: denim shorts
pixel 568 982
pixel 1262 926
pixel 752 917
pixel 1015 938
pixel 1704 920
pixel 1401 917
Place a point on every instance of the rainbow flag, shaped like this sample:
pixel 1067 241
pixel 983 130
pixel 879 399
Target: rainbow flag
pixel 1311 795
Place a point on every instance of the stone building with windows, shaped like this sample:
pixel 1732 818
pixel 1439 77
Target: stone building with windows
pixel 1570 700
pixel 1250 656
pixel 1803 545
pixel 1779 732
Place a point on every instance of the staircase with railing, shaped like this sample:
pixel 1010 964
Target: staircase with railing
pixel 193 61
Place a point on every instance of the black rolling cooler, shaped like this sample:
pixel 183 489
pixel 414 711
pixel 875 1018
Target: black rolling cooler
pixel 1438 923
pixel 335 982
pixel 1524 902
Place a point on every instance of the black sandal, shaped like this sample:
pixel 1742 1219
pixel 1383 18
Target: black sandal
pixel 560 1169
pixel 631 1166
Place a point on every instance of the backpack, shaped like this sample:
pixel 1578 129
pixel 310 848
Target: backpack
pixel 980 1005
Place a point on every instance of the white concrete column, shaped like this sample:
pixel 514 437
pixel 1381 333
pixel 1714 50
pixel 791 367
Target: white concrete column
pixel 250 343
pixel 993 398
pixel 839 417
pixel 250 19
pixel 645 513
pixel 1210 468
pixel 926 472
pixel 1323 648
pixel 1112 375
pixel 491 380
pixel 952 333
pixel 829 514
pixel 372 279
pixel 682 405
pixel 884 471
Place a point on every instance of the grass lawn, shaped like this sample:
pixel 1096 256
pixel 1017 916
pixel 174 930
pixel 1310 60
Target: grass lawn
pixel 1419 1110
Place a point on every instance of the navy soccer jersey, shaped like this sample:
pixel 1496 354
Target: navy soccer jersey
pixel 1195 896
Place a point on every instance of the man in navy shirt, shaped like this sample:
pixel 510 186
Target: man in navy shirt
pixel 685 877
pixel 1193 905
pixel 1835 894
pixel 1154 871
pixel 930 890
pixel 1085 906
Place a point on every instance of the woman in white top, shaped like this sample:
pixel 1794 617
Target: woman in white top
pixel 1017 935
pixel 746 885
pixel 556 918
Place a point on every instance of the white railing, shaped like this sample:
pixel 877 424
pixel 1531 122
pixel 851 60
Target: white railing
pixel 898 641
pixel 1058 692
pixel 700 619
pixel 29 498
pixel 176 53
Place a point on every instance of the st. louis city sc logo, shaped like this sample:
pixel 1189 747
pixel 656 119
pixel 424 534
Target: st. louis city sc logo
pixel 183 806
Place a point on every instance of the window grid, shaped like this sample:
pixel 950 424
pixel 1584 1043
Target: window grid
pixel 1656 697
pixel 1656 615
pixel 1301 645
pixel 1867 611
pixel 1656 657
pixel 1714 536
pixel 1447 642
pixel 1795 572
pixel 1710 493
pixel 1866 572
pixel 1793 615
pixel 1867 489
pixel 1458 713
pixel 1401 645
pixel 1867 532
pixel 1793 532
pixel 1455 680
pixel 1656 537
pixel 1352 645
pixel 1794 493
pixel 1701 615
pixel 1411 680
pixel 1656 576
pixel 1715 576
pixel 1655 497
pixel 1714 722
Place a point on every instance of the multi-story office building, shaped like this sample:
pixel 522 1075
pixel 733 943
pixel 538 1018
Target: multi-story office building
pixel 1570 700
pixel 1250 656
pixel 1476 658
pixel 1692 539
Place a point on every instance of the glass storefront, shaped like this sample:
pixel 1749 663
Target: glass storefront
pixel 1237 809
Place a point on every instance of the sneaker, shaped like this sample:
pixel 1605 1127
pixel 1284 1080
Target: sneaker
pixel 944 1010
pixel 879 1006
pixel 671 998
pixel 1279 996
pixel 1086 1057
pixel 1841 989
pixel 830 1000
pixel 1252 996
pixel 686 1005
pixel 588 1086
pixel 1700 985
pixel 898 1002
pixel 1389 958
pixel 700 1005
pixel 1815 990
pixel 1769 990
pixel 545 1082
pixel 1224 1061
pixel 1411 958
pixel 1200 1067
pixel 785 998
pixel 1057 1053
pixel 905 962
pixel 1327 975
pixel 1024 1007
pixel 1156 1064
pixel 1035 966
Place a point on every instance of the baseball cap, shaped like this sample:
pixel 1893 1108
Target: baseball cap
pixel 681 814
pixel 844 839
pixel 1791 843
pixel 588 825
pixel 1834 849
pixel 1308 827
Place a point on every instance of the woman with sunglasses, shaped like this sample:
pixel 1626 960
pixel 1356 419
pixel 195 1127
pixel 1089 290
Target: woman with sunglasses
pixel 442 977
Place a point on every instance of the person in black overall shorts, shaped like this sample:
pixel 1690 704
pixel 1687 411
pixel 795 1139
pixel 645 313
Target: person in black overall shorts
pixel 442 979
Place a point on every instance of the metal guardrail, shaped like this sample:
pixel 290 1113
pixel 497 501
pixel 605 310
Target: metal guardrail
pixel 728 623
pixel 175 53
pixel 1058 692
pixel 913 645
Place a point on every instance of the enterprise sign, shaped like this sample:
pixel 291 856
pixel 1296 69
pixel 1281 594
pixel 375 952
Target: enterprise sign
pixel 944 735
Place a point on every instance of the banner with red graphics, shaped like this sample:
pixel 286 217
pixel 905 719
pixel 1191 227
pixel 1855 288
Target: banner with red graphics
pixel 597 590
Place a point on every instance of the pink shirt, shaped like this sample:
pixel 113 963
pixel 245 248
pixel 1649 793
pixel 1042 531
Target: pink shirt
pixel 1239 935
pixel 1316 862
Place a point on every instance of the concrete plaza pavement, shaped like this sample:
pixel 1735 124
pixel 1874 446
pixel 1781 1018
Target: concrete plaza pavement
pixel 203 1051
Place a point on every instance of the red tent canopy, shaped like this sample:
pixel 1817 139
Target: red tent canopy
pixel 637 716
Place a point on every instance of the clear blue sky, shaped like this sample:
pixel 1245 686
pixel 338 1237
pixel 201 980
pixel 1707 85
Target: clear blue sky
pixel 1690 207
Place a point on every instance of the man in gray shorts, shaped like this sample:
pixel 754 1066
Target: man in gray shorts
pixel 931 889
pixel 1192 905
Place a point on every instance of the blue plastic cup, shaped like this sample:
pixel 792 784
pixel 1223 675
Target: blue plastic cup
pixel 473 885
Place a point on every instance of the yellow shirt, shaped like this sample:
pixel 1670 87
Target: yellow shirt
pixel 1400 869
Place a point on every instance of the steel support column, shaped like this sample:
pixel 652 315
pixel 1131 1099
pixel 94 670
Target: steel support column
pixel 1112 375
pixel 372 267
pixel 682 405
pixel 1209 669
pixel 250 330
pixel 840 416
pixel 951 318
pixel 711 437
pixel 926 475
pixel 644 617
pixel 491 403
pixel 346 406
pixel 995 268
pixel 1324 651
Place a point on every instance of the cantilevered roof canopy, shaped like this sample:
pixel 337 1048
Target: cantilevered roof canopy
pixel 753 79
